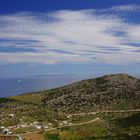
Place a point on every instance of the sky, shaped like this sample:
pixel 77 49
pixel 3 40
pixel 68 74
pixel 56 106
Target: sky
pixel 69 37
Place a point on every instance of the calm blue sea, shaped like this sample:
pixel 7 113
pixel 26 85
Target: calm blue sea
pixel 15 86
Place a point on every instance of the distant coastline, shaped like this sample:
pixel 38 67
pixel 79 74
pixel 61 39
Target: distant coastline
pixel 15 86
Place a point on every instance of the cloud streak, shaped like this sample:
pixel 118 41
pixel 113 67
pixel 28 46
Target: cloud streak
pixel 68 36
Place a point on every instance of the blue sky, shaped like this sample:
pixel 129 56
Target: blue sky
pixel 69 37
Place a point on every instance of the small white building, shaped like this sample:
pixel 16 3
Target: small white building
pixel 65 122
pixel 38 127
pixel 2 127
pixel 11 115
pixel 7 132
pixel 46 126
pixel 49 124
pixel 60 124
pixel 35 122
pixel 20 120
pixel 68 117
pixel 23 125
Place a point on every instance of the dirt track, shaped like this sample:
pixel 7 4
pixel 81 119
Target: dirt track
pixel 36 134
pixel 103 111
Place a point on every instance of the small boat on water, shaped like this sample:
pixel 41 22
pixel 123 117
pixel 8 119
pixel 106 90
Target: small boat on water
pixel 19 80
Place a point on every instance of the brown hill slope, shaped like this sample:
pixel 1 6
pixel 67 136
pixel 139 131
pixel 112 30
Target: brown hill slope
pixel 93 94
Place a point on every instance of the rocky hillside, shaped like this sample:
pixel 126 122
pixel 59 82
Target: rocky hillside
pixel 119 91
pixel 100 93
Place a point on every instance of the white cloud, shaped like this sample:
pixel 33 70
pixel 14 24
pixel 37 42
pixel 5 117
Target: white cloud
pixel 83 36
pixel 126 8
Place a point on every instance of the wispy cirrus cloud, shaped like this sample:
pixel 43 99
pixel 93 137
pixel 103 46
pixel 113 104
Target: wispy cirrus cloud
pixel 68 36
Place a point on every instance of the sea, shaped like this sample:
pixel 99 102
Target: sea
pixel 15 86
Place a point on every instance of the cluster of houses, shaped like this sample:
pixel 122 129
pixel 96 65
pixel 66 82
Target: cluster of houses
pixel 9 130
pixel 64 123
pixel 6 131
pixel 40 126
pixel 36 125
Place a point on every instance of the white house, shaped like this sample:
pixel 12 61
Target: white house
pixel 7 132
pixel 23 125
pixel 2 127
pixel 11 115
pixel 65 122
pixel 45 126
pixel 38 127
pixel 49 124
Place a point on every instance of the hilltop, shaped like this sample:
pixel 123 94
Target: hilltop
pixel 92 94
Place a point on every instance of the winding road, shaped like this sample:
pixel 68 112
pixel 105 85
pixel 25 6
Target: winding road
pixel 20 137
pixel 103 111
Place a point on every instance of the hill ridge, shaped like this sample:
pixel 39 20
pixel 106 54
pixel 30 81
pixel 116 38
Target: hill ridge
pixel 93 94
